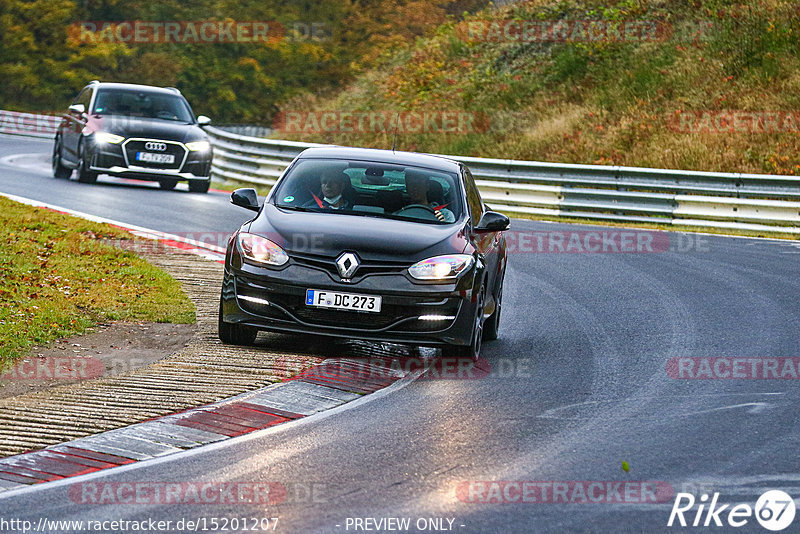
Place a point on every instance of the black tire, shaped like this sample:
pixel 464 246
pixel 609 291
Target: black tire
pixel 168 184
pixel 59 170
pixel 85 176
pixel 473 350
pixel 235 334
pixel 492 327
pixel 197 186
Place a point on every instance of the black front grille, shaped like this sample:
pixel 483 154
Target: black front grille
pixel 350 319
pixel 365 268
pixel 172 148
pixel 393 309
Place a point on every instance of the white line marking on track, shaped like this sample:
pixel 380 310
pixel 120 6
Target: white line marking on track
pixel 755 407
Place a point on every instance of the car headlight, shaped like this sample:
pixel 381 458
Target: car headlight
pixel 198 146
pixel 105 137
pixel 446 267
pixel 260 250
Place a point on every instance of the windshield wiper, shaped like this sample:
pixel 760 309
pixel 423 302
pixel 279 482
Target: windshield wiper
pixel 298 208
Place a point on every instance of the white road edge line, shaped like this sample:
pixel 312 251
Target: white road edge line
pixel 283 427
pixel 140 231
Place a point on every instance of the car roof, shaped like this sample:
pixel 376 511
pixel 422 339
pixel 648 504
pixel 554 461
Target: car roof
pixel 382 156
pixel 134 87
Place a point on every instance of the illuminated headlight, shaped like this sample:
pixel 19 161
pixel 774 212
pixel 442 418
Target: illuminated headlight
pixel 105 137
pixel 198 146
pixel 260 250
pixel 441 267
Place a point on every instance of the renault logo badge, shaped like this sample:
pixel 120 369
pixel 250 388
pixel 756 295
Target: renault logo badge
pixel 347 264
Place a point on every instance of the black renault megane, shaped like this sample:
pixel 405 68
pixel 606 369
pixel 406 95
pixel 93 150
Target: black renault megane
pixel 368 244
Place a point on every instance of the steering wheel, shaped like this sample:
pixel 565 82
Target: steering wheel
pixel 417 211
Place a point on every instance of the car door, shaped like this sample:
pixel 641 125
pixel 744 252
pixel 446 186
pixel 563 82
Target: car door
pixel 486 243
pixel 73 127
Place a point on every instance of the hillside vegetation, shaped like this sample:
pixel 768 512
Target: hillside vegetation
pixel 704 84
pixel 48 50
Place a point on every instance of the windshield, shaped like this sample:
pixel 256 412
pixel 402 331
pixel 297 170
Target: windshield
pixel 371 189
pixel 144 104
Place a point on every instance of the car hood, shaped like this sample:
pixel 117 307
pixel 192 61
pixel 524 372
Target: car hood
pixel 146 128
pixel 372 238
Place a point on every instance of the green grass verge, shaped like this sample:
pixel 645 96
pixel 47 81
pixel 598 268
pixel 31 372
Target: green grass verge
pixel 59 278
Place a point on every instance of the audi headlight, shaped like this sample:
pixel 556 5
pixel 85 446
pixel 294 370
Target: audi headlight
pixel 447 267
pixel 260 250
pixel 105 137
pixel 198 146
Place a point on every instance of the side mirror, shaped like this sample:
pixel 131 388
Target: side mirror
pixel 80 109
pixel 493 222
pixel 246 198
pixel 202 120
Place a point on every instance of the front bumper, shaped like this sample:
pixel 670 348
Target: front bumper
pixel 428 315
pixel 111 159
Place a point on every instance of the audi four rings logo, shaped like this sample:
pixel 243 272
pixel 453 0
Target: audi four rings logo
pixel 159 147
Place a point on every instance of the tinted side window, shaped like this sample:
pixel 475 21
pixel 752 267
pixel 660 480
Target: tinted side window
pixel 473 197
pixel 84 98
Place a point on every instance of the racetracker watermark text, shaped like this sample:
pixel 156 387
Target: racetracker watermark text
pixel 268 493
pixel 563 492
pixel 195 31
pixel 54 368
pixel 432 122
pixel 579 31
pixel 734 121
pixel 603 242
pixel 723 368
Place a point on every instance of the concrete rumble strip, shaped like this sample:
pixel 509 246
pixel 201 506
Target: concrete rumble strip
pixel 203 372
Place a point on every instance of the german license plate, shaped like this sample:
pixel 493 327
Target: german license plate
pixel 149 157
pixel 342 301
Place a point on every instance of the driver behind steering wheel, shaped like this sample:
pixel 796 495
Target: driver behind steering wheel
pixel 417 185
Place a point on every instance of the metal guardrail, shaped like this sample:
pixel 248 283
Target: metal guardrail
pixel 28 124
pixel 594 192
pixel 246 129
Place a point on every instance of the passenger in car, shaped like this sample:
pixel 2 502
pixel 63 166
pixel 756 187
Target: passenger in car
pixel 336 191
pixel 418 186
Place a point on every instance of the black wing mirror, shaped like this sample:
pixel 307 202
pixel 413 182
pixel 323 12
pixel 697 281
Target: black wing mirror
pixel 493 222
pixel 246 198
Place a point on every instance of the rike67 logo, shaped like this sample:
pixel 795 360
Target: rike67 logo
pixel 774 510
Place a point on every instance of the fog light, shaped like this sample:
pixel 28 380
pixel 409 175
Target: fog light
pixel 254 299
pixel 436 317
